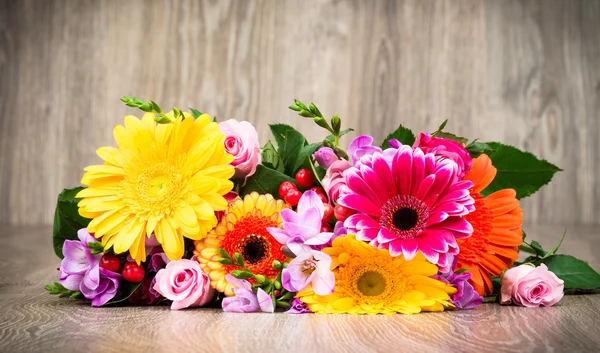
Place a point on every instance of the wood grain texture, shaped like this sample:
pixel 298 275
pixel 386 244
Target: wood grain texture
pixel 523 72
pixel 32 320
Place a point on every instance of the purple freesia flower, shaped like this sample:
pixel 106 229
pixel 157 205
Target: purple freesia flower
pixel 302 229
pixel 309 267
pixel 265 301
pixel 158 260
pixel 466 297
pixel 298 307
pixel 361 146
pixel 325 156
pixel 80 270
pixel 244 301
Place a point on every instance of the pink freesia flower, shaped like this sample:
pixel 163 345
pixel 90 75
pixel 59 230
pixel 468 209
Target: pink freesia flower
pixel 241 141
pixel 446 149
pixel 333 181
pixel 325 156
pixel 302 229
pixel 309 267
pixel 530 286
pixel 298 307
pixel 362 146
pixel 80 270
pixel 408 201
pixel 245 300
pixel 184 283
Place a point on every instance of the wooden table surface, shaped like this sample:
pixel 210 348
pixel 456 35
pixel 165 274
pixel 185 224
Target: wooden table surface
pixel 32 320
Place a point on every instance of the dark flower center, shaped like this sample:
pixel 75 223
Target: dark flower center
pixel 405 218
pixel 254 249
pixel 371 283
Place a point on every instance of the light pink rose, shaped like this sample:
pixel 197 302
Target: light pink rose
pixel 333 181
pixel 241 141
pixel 185 284
pixel 530 286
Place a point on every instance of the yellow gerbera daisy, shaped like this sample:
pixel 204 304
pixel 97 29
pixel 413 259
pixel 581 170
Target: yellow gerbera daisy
pixel 371 281
pixel 243 230
pixel 166 179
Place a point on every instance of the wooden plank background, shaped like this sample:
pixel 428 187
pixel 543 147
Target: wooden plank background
pixel 523 72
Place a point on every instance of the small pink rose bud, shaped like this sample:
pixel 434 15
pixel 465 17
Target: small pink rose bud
pixel 241 141
pixel 325 156
pixel 530 286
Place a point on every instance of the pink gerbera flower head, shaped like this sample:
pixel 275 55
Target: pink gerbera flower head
pixel 408 202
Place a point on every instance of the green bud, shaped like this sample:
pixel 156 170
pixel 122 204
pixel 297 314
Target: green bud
pixel 125 99
pixel 241 274
pixel 260 278
pixel 224 253
pixel 146 108
pixel 328 143
pixel 313 108
pixel 300 104
pixel 336 123
pixel 154 106
pixel 277 284
pixel 319 120
pixel 161 119
pixel 306 113
pixel 295 108
pixel 277 265
pixel 225 261
pixel 287 296
pixel 282 304
pixel 239 260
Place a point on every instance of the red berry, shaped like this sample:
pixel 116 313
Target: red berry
pixel 305 178
pixel 341 212
pixel 318 190
pixel 328 214
pixel 133 272
pixel 323 198
pixel 285 187
pixel 110 262
pixel 293 197
pixel 326 228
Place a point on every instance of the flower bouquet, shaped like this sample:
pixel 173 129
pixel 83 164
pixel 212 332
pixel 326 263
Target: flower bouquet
pixel 192 212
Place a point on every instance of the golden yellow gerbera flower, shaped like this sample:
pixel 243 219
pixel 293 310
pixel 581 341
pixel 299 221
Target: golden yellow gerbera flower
pixel 243 229
pixel 371 281
pixel 166 179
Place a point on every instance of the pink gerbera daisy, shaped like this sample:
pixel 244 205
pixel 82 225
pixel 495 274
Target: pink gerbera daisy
pixel 408 201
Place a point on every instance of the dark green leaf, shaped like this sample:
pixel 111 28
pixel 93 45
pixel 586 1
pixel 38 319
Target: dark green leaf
pixel 331 138
pixel 67 220
pixel 265 181
pixel 475 149
pixel 538 248
pixel 402 134
pixel 289 142
pixel 126 289
pixel 453 137
pixel 59 289
pixel 195 113
pixel 304 155
pixel 442 126
pixel 577 274
pixel 557 245
pixel 518 170
pixel 271 159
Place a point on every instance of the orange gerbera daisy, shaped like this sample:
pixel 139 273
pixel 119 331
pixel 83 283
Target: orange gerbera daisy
pixel 243 229
pixel 496 222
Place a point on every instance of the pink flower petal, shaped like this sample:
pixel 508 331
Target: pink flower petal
pixel 265 301
pixel 309 200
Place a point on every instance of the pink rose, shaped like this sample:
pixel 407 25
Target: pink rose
pixel 185 284
pixel 530 286
pixel 333 181
pixel 446 149
pixel 241 141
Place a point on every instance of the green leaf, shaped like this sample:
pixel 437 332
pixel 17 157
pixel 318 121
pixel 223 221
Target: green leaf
pixel 453 137
pixel 331 138
pixel 224 253
pixel 577 274
pixel 67 220
pixel 304 155
pixel 538 248
pixel 518 170
pixel 402 134
pixel 126 289
pixel 461 270
pixel 557 245
pixel 265 181
pixel 271 159
pixel 475 149
pixel 289 142
pixel 195 113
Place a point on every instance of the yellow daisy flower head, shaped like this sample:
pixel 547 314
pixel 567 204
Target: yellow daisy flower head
pixel 243 230
pixel 370 281
pixel 166 179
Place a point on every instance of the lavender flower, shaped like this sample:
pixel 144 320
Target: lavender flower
pixel 298 307
pixel 80 270
pixel 466 297
pixel 311 267
pixel 325 156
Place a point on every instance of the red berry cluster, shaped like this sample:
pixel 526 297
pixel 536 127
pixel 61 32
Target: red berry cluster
pixel 290 193
pixel 131 272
